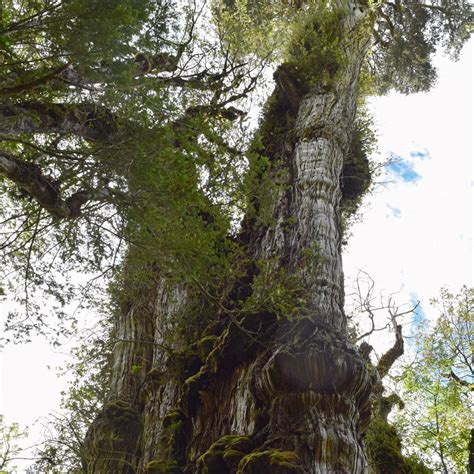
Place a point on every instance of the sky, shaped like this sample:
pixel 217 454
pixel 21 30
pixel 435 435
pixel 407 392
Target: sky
pixel 415 235
pixel 416 231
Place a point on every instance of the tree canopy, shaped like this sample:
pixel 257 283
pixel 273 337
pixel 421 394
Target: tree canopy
pixel 100 119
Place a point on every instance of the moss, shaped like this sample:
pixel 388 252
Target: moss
pixel 172 444
pixel 151 383
pixel 155 375
pixel 216 353
pixel 174 420
pixel 234 345
pixel 192 384
pixel 205 346
pixel 185 362
pixel 115 430
pixel 120 412
pixel 236 442
pixel 384 451
pixel 162 467
pixel 272 461
pixel 192 387
pixel 232 458
pixel 224 455
pixel 212 463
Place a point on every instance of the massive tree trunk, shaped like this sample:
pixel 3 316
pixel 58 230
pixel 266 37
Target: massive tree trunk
pixel 258 392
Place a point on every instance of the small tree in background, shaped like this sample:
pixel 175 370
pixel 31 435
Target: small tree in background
pixel 437 419
pixel 9 448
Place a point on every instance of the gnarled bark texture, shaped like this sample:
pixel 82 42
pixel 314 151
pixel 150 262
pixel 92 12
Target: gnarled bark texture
pixel 264 394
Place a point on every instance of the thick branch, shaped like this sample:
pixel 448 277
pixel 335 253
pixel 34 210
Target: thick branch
pixel 386 404
pixel 30 178
pixel 396 351
pixel 31 85
pixel 460 381
pixel 85 120
pixel 161 62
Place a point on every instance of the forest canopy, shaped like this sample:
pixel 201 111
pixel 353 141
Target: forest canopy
pixel 100 118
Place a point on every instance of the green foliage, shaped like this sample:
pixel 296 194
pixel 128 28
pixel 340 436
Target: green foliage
pixel 437 418
pixel 71 31
pixel 10 435
pixel 254 26
pixel 60 52
pixel 162 144
pixel 277 291
pixel 315 44
pixel 407 35
pixel 357 172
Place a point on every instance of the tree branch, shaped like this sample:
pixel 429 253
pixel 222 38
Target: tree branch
pixel 30 178
pixel 85 120
pixel 396 351
pixel 28 86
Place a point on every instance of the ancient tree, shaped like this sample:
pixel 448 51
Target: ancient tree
pixel 229 347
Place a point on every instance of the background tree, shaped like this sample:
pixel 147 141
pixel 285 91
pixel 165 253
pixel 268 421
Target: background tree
pixel 65 429
pixel 372 314
pixel 10 435
pixel 229 347
pixel 437 420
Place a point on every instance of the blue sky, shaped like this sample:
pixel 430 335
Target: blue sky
pixel 422 154
pixel 403 169
pixel 419 315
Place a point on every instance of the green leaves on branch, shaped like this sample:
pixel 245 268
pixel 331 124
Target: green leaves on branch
pixel 407 35
pixel 438 415
pixel 253 27
pixel 10 451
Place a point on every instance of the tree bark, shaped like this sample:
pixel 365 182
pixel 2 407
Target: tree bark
pixel 45 190
pixel 264 393
pixel 85 120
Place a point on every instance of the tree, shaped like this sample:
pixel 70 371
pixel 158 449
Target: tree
pixel 437 422
pixel 83 111
pixel 229 349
